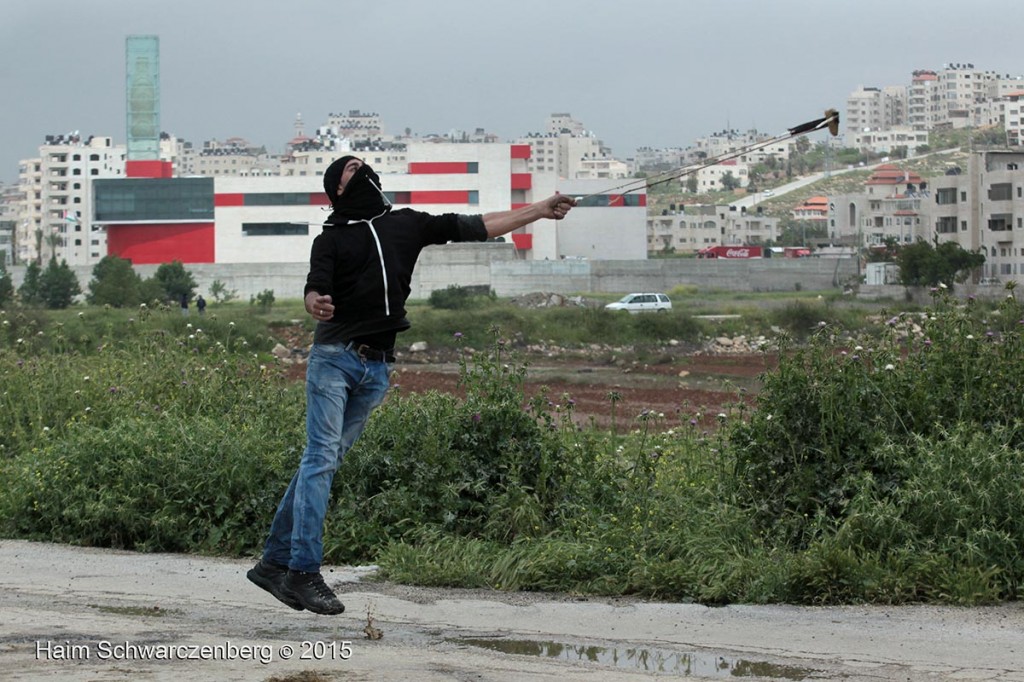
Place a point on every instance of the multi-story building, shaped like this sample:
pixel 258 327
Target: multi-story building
pixel 980 207
pixel 28 230
pixel 10 202
pixel 236 219
pixel 180 153
pixel 888 140
pixel 695 227
pixel 235 157
pixel 356 126
pixel 749 148
pixel 893 206
pixel 712 178
pixel 570 152
pixel 871 108
pixel 964 86
pixel 925 103
pixel 1013 115
pixel 54 219
pixel 957 96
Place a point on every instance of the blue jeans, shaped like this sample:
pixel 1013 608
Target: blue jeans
pixel 342 389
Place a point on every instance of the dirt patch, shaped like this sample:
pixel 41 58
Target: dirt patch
pixel 681 384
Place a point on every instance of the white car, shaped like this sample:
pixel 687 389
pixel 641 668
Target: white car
pixel 640 303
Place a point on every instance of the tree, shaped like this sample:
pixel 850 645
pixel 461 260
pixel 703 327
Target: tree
pixel 58 285
pixel 116 284
pixel 6 285
pixel 175 281
pixel 729 181
pixel 29 290
pixel 922 264
pixel 691 184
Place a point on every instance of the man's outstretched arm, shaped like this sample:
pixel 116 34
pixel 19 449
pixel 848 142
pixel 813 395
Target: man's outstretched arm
pixel 554 207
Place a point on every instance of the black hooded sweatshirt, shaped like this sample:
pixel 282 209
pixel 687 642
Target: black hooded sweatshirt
pixel 365 256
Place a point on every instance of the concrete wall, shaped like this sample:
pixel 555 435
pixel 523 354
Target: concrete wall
pixel 496 265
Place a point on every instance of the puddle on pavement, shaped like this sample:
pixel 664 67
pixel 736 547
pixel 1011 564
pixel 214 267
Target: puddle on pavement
pixel 643 659
pixel 152 611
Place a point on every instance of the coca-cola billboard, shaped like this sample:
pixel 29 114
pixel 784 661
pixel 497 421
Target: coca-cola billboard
pixel 731 252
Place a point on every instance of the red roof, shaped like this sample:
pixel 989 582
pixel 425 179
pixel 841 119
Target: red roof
pixel 889 174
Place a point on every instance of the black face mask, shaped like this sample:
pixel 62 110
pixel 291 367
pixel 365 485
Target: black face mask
pixel 361 199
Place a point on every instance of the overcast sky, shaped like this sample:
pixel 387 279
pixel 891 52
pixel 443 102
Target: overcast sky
pixel 655 73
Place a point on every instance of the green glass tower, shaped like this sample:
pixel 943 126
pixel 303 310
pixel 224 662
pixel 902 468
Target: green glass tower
pixel 142 67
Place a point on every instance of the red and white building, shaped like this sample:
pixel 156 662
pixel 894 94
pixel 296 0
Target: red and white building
pixel 151 217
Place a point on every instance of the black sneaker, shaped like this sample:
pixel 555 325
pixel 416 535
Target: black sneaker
pixel 310 590
pixel 271 578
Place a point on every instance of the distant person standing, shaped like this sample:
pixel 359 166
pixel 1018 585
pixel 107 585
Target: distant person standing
pixel 201 304
pixel 184 305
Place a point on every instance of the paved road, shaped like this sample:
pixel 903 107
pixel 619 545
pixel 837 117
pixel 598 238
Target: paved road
pixel 88 614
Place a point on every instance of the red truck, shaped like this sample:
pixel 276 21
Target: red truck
pixel 736 251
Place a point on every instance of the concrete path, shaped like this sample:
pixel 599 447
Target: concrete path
pixel 70 613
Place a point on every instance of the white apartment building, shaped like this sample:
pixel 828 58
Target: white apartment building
pixel 957 96
pixel 1013 115
pixel 871 108
pixel 235 157
pixel 926 105
pixel 356 126
pixel 10 200
pixel 888 140
pixel 28 214
pixel 710 178
pixel 732 143
pixel 180 153
pixel 55 217
pixel 570 152
pixel 697 227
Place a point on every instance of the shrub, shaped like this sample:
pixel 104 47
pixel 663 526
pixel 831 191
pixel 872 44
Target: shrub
pixel 220 292
pixel 456 297
pixel 264 300
pixel 824 416
pixel 6 285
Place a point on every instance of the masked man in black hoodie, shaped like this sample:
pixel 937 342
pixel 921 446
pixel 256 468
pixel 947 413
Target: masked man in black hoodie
pixel 359 278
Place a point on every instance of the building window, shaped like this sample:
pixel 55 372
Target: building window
pixel 277 199
pixel 1002 191
pixel 945 225
pixel 1000 222
pixel 274 229
pixel 945 195
pixel 142 199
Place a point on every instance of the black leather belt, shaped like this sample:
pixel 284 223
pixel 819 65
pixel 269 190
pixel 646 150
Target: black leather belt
pixel 372 354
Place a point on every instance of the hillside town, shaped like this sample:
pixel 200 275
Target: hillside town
pixel 158 197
